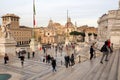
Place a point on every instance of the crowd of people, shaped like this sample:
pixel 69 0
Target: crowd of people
pixel 69 60
pixel 106 49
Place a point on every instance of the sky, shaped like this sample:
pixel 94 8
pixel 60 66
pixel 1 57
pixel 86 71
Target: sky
pixel 83 12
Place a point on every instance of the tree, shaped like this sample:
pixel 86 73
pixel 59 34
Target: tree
pixel 83 35
pixel 89 34
pixel 74 33
pixel 95 35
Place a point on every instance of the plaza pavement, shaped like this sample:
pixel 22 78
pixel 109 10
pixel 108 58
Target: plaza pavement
pixel 32 68
pixel 35 69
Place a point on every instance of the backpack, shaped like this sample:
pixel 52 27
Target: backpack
pixel 104 48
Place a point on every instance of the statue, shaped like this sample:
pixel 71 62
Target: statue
pixel 5 31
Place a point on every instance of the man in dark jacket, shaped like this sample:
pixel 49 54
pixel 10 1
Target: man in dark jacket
pixel 6 58
pixel 22 59
pixel 72 60
pixel 91 52
pixel 53 64
pixel 105 51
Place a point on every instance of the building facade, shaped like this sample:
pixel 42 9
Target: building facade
pixel 21 34
pixel 54 33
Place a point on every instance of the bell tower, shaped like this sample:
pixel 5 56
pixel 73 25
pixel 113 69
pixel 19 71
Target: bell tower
pixel 12 20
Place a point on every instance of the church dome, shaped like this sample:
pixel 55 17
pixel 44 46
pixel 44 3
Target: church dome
pixel 69 24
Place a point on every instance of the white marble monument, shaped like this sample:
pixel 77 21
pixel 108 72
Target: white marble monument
pixel 33 45
pixel 7 42
pixel 109 27
pixel 66 41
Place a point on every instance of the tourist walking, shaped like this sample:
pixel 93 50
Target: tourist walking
pixel 44 49
pixel 6 59
pixel 72 60
pixel 53 64
pixel 28 55
pixel 91 52
pixel 66 64
pixel 67 61
pixel 19 53
pixel 33 54
pixel 48 59
pixel 105 51
pixel 22 60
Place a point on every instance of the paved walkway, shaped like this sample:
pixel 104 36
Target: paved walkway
pixel 89 70
pixel 34 69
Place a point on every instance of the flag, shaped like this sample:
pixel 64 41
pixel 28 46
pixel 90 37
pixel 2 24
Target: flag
pixel 34 13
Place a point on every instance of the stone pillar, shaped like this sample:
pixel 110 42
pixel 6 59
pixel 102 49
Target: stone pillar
pixel 33 45
pixel 7 46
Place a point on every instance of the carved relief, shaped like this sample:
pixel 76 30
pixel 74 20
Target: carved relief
pixel 112 12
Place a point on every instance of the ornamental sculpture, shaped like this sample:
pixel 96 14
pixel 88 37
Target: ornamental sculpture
pixel 5 31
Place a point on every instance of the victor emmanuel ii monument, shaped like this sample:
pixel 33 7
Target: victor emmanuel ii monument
pixel 109 26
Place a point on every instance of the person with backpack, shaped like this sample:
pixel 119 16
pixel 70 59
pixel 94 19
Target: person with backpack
pixel 105 51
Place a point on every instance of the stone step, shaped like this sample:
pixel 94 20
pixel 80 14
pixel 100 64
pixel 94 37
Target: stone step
pixel 51 74
pixel 107 67
pixel 82 70
pixel 55 74
pixel 86 72
pixel 114 67
pixel 118 75
pixel 89 70
pixel 69 73
pixel 104 68
pixel 59 74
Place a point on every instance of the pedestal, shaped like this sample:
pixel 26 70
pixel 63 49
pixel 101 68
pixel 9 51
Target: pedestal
pixel 33 45
pixel 66 41
pixel 7 46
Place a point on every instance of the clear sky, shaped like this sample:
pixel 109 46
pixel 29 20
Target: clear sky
pixel 82 11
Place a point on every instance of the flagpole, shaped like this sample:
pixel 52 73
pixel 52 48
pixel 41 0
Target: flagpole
pixel 66 41
pixel 33 42
pixel 67 23
pixel 33 31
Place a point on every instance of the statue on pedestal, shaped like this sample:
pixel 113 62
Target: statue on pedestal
pixel 5 31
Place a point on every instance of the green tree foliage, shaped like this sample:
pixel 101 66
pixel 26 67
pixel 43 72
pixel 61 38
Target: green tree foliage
pixel 75 33
pixel 89 34
pixel 94 34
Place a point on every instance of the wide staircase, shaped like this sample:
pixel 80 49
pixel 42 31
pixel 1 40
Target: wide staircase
pixel 89 70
